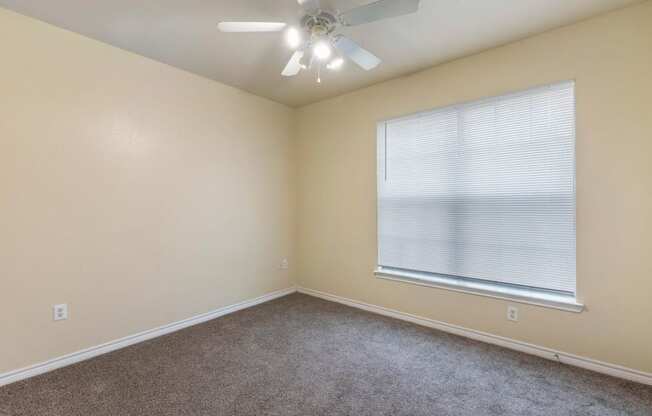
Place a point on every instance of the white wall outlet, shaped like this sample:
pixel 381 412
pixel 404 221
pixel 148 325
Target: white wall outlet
pixel 512 313
pixel 60 312
pixel 285 264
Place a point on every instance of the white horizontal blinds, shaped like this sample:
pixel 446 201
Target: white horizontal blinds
pixel 484 190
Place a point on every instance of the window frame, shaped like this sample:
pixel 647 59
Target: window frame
pixel 498 290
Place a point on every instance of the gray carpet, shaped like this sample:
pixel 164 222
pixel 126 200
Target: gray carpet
pixel 300 355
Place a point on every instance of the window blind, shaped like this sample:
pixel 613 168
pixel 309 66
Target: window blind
pixel 483 190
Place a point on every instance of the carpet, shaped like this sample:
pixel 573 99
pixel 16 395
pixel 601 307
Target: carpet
pixel 300 355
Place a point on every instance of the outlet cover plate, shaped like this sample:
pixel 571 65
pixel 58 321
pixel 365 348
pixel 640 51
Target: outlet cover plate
pixel 285 264
pixel 60 312
pixel 512 313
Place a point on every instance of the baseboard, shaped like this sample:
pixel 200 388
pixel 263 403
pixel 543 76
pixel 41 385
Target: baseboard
pixel 566 358
pixel 563 357
pixel 55 363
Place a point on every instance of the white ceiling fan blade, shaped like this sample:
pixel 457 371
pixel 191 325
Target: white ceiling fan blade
pixel 365 59
pixel 309 5
pixel 381 9
pixel 251 26
pixel 294 65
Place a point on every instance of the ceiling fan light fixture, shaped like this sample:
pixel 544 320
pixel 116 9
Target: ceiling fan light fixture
pixel 335 64
pixel 293 37
pixel 322 50
pixel 306 59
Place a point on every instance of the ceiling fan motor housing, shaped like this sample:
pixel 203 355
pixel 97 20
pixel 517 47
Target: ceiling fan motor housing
pixel 319 25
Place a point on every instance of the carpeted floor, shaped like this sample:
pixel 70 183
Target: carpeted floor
pixel 299 355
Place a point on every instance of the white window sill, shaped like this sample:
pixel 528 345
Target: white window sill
pixel 493 290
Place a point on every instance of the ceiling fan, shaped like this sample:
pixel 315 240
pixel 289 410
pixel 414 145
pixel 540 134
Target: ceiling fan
pixel 316 43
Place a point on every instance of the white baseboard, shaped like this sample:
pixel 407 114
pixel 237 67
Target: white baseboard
pixel 75 357
pixel 566 358
pixel 563 357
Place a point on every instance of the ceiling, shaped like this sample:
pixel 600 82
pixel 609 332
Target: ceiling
pixel 183 33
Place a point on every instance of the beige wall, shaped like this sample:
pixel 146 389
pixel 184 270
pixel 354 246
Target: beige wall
pixel 610 57
pixel 137 193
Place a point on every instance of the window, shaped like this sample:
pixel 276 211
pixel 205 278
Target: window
pixel 482 192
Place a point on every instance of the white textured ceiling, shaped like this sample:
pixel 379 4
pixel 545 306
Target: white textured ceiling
pixel 183 33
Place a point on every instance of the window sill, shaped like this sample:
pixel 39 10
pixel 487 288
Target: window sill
pixel 488 289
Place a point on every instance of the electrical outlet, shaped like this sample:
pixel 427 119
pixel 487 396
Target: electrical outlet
pixel 512 313
pixel 60 312
pixel 284 264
